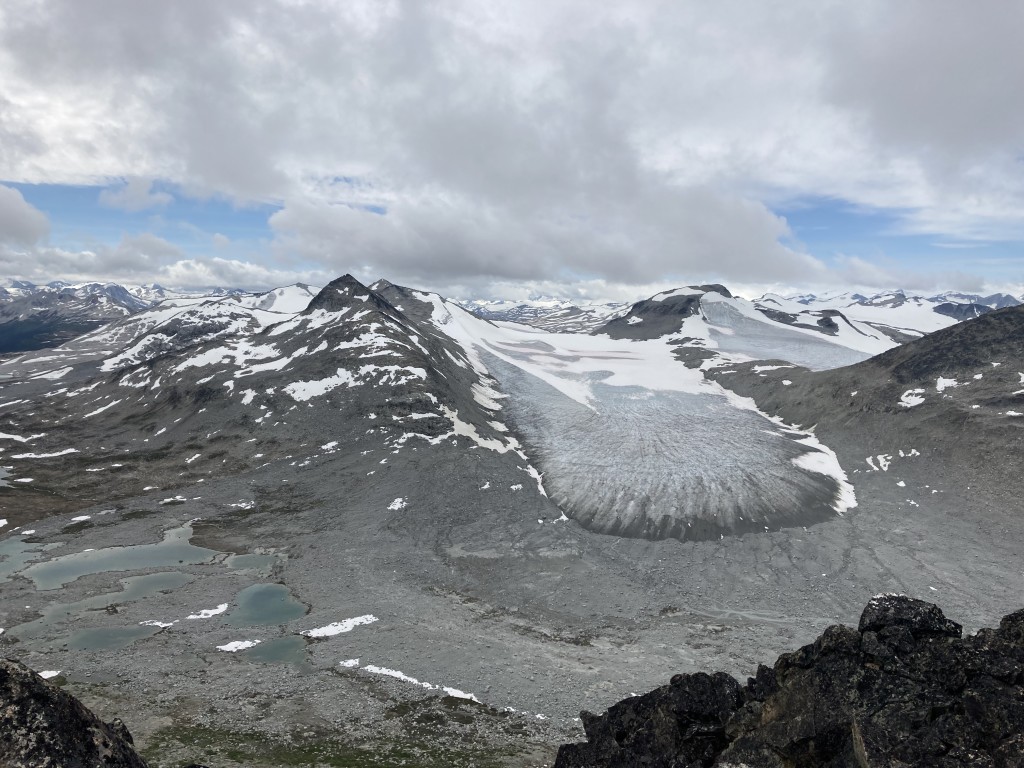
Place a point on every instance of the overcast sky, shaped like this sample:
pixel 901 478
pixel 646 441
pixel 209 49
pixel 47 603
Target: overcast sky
pixel 482 148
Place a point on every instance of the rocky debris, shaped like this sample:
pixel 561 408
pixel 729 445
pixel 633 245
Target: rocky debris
pixel 903 689
pixel 45 727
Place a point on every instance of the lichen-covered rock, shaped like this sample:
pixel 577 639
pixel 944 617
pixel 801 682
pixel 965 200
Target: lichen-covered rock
pixel 904 689
pixel 42 726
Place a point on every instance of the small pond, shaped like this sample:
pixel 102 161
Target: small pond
pixel 290 649
pixel 175 549
pixel 109 638
pixel 262 604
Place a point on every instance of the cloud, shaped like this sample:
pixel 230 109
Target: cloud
pixel 134 257
pixel 134 195
pixel 148 258
pixel 857 271
pixel 628 142
pixel 233 273
pixel 658 231
pixel 20 222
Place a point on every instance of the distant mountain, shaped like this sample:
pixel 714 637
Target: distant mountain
pixel 711 318
pixel 549 314
pixel 33 317
pixel 36 317
pixel 992 301
pixel 899 315
pixel 816 331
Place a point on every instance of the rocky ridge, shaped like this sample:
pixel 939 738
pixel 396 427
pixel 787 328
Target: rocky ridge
pixel 904 688
pixel 43 726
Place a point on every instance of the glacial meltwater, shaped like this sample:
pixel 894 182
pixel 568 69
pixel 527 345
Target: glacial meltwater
pixel 290 649
pixel 134 588
pixel 175 549
pixel 263 604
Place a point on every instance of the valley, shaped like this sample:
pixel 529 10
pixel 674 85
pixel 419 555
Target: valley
pixel 362 521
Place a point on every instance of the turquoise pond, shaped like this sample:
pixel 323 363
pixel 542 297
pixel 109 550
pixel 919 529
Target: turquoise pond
pixel 175 549
pixel 265 604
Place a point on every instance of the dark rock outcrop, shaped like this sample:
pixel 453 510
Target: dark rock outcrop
pixel 661 314
pixel 903 689
pixel 962 311
pixel 42 726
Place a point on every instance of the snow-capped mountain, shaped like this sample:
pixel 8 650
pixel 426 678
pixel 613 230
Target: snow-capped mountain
pixel 709 317
pixel 992 301
pixel 900 315
pixel 549 314
pixel 42 316
pixel 33 317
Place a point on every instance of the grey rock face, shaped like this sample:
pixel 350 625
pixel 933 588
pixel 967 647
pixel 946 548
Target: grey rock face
pixel 903 689
pixel 45 727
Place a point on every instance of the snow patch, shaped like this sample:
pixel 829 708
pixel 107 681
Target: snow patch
pixel 206 613
pixel 911 397
pixel 302 391
pixel 102 408
pixel 339 627
pixel 19 438
pixel 413 681
pixel 65 452
pixel 238 645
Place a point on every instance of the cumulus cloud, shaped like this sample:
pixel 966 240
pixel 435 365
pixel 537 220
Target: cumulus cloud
pixel 148 258
pixel 626 142
pixel 21 223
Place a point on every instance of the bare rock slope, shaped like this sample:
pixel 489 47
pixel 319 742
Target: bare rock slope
pixel 904 688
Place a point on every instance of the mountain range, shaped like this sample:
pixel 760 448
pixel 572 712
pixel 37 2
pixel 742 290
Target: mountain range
pixel 39 316
pixel 271 514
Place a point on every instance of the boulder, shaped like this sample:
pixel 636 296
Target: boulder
pixel 903 689
pixel 43 726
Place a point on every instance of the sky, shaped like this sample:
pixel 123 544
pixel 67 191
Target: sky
pixel 559 147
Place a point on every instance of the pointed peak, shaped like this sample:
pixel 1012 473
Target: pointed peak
pixel 344 292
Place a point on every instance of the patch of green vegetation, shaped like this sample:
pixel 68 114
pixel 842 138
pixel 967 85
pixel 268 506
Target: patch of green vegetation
pixel 180 745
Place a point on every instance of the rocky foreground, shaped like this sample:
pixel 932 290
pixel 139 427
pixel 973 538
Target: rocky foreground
pixel 41 726
pixel 903 689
